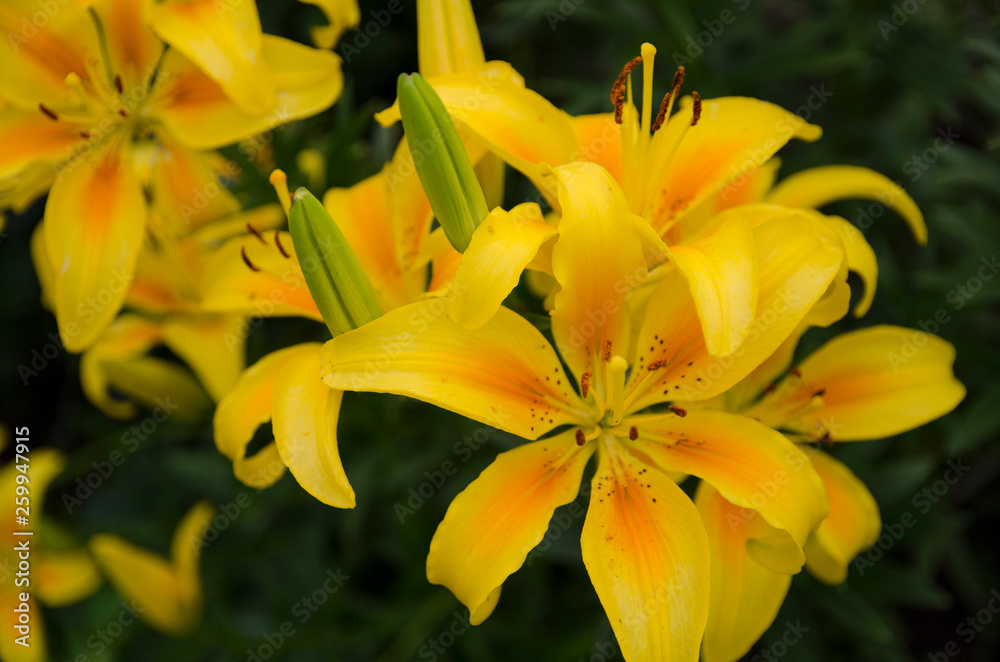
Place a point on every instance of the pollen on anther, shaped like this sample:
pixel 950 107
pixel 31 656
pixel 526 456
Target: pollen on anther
pixel 255 232
pixel 607 350
pixel 696 110
pixel 277 242
pixel 820 393
pixel 581 439
pixel 618 89
pixel 118 84
pixel 795 372
pixel 243 252
pixel 48 112
pixel 657 365
pixel 680 411
pixel 585 384
pixel 122 113
pixel 633 433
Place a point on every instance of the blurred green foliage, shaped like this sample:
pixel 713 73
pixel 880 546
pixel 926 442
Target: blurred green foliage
pixel 895 74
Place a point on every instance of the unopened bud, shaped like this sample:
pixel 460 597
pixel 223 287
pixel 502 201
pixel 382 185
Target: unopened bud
pixel 442 164
pixel 338 283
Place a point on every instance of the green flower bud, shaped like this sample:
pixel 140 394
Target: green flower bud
pixel 444 168
pixel 338 283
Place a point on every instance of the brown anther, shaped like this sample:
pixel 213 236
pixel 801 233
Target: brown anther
pixel 243 252
pixel 585 384
pixel 678 80
pixel 820 393
pixel 618 89
pixel 826 440
pixel 633 433
pixel 696 110
pixel 85 135
pixel 48 112
pixel 581 439
pixel 277 242
pixel 795 372
pixel 662 114
pixel 770 387
pixel 607 351
pixel 657 365
pixel 256 233
pixel 122 113
pixel 680 411
pixel 118 84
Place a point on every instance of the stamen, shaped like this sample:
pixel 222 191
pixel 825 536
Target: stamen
pixel 680 411
pixel 696 111
pixel 277 242
pixel 678 80
pixel 243 252
pixel 618 89
pixel 118 84
pixel 48 112
pixel 820 393
pixel 607 351
pixel 662 114
pixel 279 180
pixel 795 372
pixel 584 384
pixel 85 135
pixel 581 439
pixel 256 233
pixel 657 365
pixel 122 113
pixel 633 433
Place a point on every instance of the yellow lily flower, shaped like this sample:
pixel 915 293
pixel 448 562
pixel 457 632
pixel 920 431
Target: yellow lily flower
pixel 56 577
pixel 677 171
pixel 644 545
pixel 90 82
pixel 866 384
pixel 340 14
pixel 166 593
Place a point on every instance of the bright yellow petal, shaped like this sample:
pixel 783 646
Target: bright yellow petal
pixel 797 258
pixel 733 138
pixel 128 337
pixel 499 518
pixel 501 247
pixel 200 115
pixel 36 55
pixel 43 267
pixel 214 348
pixel 341 14
pixel 447 37
pixel 745 595
pixel 64 577
pixel 246 408
pixel 186 190
pixel 158 384
pixel 225 41
pixel 646 552
pixel 819 186
pixel 860 259
pixel 166 593
pixel 132 47
pixel 597 260
pixel 95 220
pixel 867 384
pixel 853 526
pixel 277 288
pixel 752 466
pixel 304 412
pixel 721 270
pixel 28 137
pixel 503 374
pixel 599 139
pixel 11 651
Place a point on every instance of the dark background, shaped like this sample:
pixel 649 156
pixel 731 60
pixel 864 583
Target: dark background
pixel 897 74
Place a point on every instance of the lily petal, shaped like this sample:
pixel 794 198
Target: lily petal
pixel 853 526
pixel 214 347
pixel 501 247
pixel 447 37
pixel 187 191
pixel 198 113
pixel 503 374
pixel 129 337
pixel 752 466
pixel 11 651
pixel 167 592
pixel 133 50
pixel 304 414
pixel 599 140
pixel 341 14
pixel 64 577
pixel 246 408
pixel 158 384
pixel 94 224
pixel 646 552
pixel 797 256
pixel 860 259
pixel 225 41
pixel 819 186
pixel 29 137
pixel 861 375
pixel 721 270
pixel 499 518
pixel 597 260
pixel 745 595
